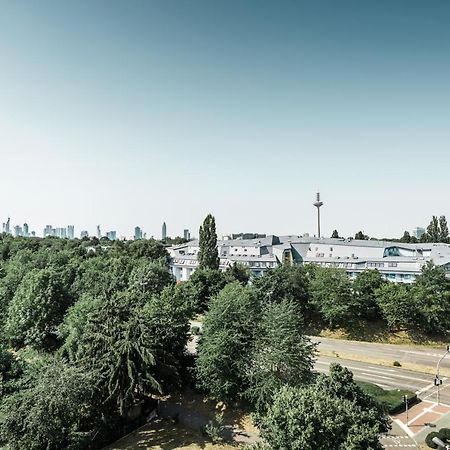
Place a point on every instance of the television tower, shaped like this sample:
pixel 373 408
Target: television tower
pixel 318 204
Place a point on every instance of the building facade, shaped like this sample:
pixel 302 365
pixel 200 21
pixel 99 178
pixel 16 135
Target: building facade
pixel 397 262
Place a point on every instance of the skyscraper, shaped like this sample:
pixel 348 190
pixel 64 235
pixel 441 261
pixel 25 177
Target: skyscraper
pixel 111 235
pixel 48 230
pixel 18 230
pixel 164 231
pixel 84 234
pixel 137 233
pixel 8 226
pixel 70 231
pixel 99 232
pixel 186 235
pixel 26 230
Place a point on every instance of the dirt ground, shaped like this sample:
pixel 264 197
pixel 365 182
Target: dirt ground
pixel 163 435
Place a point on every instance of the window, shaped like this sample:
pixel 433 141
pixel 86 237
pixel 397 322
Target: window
pixel 331 249
pixel 392 264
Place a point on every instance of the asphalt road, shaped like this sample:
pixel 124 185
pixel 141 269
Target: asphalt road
pixel 390 377
pixel 417 355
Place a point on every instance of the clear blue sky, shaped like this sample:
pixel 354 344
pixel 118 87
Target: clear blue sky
pixel 129 113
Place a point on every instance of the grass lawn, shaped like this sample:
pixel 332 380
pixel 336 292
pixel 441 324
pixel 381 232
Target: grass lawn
pixel 391 399
pixel 164 435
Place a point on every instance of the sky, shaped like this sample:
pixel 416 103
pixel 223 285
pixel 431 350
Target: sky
pixel 125 113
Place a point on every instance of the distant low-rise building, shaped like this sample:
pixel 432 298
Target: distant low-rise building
pixel 397 262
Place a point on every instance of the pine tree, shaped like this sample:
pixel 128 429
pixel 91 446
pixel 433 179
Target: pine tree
pixel 433 230
pixel 208 255
pixel 443 230
pixel 335 234
pixel 406 237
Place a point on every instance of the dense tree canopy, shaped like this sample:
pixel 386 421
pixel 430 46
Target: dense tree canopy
pixel 95 326
pixel 281 354
pixel 38 306
pixel 228 334
pixel 333 413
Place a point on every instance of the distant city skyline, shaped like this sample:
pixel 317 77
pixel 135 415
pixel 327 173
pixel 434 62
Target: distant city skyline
pixel 123 113
pixel 138 232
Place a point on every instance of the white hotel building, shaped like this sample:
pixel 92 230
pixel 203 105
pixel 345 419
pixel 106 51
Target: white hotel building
pixel 396 261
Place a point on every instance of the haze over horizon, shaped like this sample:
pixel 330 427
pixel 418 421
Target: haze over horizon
pixel 134 113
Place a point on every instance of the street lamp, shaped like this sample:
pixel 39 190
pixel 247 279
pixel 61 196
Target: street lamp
pixel 437 380
pixel 441 444
pixel 405 399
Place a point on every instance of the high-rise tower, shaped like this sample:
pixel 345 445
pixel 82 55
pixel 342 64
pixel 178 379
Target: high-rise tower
pixel 318 204
pixel 164 231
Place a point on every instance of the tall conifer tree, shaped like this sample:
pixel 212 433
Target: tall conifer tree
pixel 208 255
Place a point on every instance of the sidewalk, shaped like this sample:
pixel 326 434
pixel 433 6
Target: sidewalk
pixel 410 430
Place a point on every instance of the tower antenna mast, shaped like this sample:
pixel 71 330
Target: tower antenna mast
pixel 318 204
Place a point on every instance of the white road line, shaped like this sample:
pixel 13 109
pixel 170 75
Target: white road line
pixel 392 372
pixel 377 376
pixel 404 427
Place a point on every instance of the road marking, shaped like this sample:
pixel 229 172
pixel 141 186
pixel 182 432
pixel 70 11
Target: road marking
pixel 391 372
pixel 404 427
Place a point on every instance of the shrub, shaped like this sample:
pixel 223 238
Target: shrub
pixel 429 439
pixel 397 364
pixel 214 428
pixel 445 434
pixel 392 400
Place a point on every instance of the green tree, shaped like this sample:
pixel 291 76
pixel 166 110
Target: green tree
pixel 361 236
pixel 331 294
pixel 443 230
pixel 224 348
pixel 206 283
pixel 406 237
pixel 47 414
pixel 73 326
pixel 10 371
pixel 150 277
pixel 364 287
pixel 396 305
pixel 237 272
pixel 281 354
pixel 37 309
pixel 208 256
pixel 431 296
pixel 166 318
pixel 290 282
pixel 118 346
pixel 329 414
pixel 335 234
pixel 433 233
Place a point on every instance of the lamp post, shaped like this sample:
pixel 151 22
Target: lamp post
pixel 405 399
pixel 437 380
